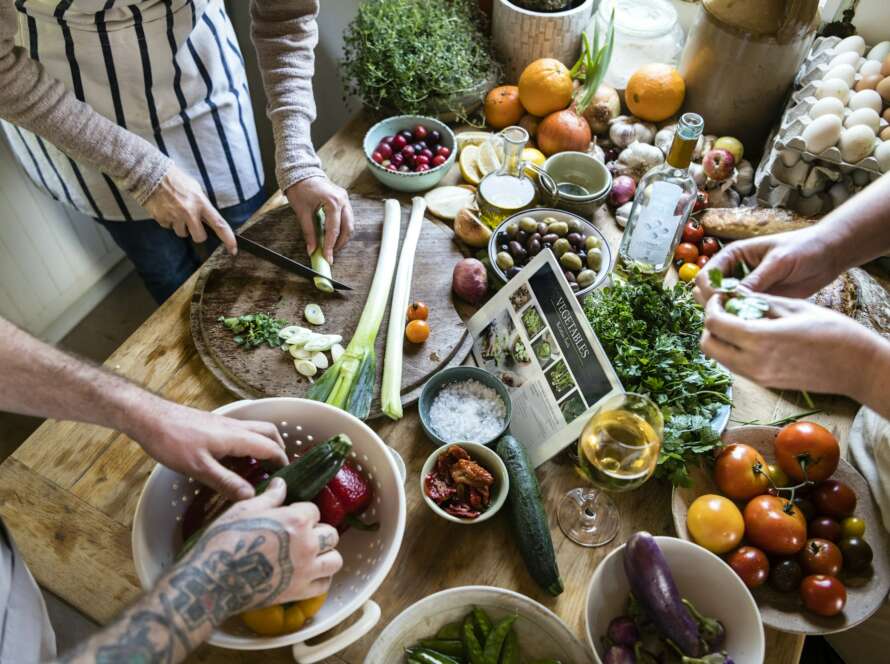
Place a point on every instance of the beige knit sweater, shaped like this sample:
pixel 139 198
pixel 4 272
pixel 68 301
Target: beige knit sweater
pixel 284 33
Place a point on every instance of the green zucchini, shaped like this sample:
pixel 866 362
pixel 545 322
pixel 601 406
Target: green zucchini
pixel 530 525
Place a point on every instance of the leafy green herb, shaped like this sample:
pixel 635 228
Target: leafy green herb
pixel 737 303
pixel 417 56
pixel 651 335
pixel 252 330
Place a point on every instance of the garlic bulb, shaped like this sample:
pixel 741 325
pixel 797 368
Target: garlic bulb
pixel 697 172
pixel 595 151
pixel 665 137
pixel 744 180
pixel 705 144
pixel 625 129
pixel 641 155
pixel 622 213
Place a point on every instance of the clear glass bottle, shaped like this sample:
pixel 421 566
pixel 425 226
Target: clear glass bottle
pixel 665 197
pixel 509 189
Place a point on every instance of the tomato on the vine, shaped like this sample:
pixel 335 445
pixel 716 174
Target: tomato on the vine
pixel 693 232
pixel 820 556
pixel 775 525
pixel 740 472
pixel 751 565
pixel 686 252
pixel 823 594
pixel 807 445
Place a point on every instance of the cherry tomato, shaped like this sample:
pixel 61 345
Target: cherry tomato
pixel 688 271
pixel 715 523
pixel 820 556
pixel 686 252
pixel 785 575
pixel 777 475
pixel 806 507
pixel 701 201
pixel 825 528
pixel 418 311
pixel 852 526
pixel 417 331
pixel 693 232
pixel 701 260
pixel 775 525
pixel 834 498
pixel 824 595
pixel 751 565
pixel 857 554
pixel 807 445
pixel 709 246
pixel 740 472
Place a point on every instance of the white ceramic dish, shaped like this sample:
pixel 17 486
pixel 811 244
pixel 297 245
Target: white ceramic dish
pixel 368 556
pixel 541 633
pixel 701 577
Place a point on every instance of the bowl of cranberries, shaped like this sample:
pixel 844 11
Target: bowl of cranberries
pixel 409 152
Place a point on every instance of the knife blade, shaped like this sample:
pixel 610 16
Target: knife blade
pixel 284 262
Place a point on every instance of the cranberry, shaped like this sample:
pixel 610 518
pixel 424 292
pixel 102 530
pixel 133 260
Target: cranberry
pixel 417 147
pixel 438 160
pixel 444 151
pixel 427 153
pixel 420 132
pixel 392 167
pixel 433 137
pixel 377 157
pixel 386 140
pixel 399 142
pixel 421 159
pixel 385 149
pixel 406 133
pixel 408 151
pixel 421 168
pixel 398 159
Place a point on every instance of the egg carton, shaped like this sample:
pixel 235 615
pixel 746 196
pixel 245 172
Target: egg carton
pixel 816 62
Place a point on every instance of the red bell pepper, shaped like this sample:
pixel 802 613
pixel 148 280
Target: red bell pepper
pixel 346 496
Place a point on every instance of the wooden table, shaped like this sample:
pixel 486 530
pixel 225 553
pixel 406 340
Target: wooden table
pixel 68 494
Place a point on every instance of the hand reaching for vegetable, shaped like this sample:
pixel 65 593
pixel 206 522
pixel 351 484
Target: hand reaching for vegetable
pixel 306 196
pixel 179 203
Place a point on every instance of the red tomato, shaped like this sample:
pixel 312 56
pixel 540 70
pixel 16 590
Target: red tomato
pixel 819 556
pixel 834 498
pixel 751 564
pixel 693 232
pixel 686 252
pixel 701 260
pixel 824 595
pixel 825 527
pixel 709 246
pixel 740 472
pixel 806 450
pixel 775 525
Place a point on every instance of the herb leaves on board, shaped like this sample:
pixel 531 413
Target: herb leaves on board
pixel 252 330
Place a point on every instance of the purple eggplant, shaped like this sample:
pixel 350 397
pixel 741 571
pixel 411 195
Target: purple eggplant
pixel 712 631
pixel 652 584
pixel 619 655
pixel 622 631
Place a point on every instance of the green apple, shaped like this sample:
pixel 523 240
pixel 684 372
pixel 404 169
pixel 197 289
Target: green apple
pixel 732 145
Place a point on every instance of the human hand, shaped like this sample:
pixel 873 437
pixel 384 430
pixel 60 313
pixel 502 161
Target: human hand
pixel 193 441
pixel 799 346
pixel 179 203
pixel 306 196
pixel 795 264
pixel 256 554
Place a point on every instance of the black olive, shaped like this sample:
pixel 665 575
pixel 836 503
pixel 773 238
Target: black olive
pixel 521 236
pixel 574 286
pixel 512 272
pixel 518 251
pixel 575 239
pixel 534 247
pixel 570 276
pixel 503 247
pixel 542 228
pixel 549 238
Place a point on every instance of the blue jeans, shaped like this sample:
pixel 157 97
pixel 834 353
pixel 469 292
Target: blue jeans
pixel 164 260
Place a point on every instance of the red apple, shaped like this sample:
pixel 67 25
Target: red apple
pixel 718 164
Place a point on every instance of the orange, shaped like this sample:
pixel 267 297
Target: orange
pixel 655 92
pixel 502 107
pixel 545 86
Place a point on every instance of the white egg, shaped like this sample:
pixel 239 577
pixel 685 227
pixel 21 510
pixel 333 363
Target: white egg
pixel 870 68
pixel 853 43
pixel 827 106
pixel 844 72
pixel 848 58
pixel 856 143
pixel 822 133
pixel 867 117
pixel 866 99
pixel 882 154
pixel 833 87
pixel 879 51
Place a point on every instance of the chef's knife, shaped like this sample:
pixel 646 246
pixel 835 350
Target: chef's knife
pixel 289 264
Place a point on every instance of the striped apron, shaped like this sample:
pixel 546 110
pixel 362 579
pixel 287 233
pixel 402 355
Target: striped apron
pixel 170 71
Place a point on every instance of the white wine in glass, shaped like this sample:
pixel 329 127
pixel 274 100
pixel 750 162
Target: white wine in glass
pixel 617 451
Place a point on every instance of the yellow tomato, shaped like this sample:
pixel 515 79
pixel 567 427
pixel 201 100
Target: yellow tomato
pixel 312 605
pixel 715 523
pixel 688 271
pixel 275 620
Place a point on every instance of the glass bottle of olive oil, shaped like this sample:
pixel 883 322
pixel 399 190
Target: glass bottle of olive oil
pixel 507 190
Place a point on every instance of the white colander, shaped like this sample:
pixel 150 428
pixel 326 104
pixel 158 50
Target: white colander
pixel 367 556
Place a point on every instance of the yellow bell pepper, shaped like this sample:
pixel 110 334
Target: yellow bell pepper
pixel 282 618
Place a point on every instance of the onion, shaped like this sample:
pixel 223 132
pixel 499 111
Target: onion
pixel 470 280
pixel 623 190
pixel 605 107
pixel 563 131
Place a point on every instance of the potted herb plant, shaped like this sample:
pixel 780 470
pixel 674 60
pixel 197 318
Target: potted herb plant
pixel 525 30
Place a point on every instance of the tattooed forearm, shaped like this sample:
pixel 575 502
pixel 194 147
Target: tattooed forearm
pixel 229 571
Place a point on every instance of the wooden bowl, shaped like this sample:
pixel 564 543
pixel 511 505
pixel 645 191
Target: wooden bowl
pixel 785 611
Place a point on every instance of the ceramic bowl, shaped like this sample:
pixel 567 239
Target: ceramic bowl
pixel 542 635
pixel 701 577
pixel 408 182
pixel 488 459
pixel 455 375
pixel 582 182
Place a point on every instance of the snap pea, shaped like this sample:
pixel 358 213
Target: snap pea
pixel 450 631
pixel 546 661
pixel 427 656
pixel 483 623
pixel 495 640
pixel 510 652
pixel 471 642
pixel 450 647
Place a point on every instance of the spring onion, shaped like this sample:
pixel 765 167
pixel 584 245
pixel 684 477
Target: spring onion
pixel 319 264
pixel 313 314
pixel 349 383
pixel 391 392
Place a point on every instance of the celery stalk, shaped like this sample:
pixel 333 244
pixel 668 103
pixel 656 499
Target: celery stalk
pixel 319 264
pixel 391 392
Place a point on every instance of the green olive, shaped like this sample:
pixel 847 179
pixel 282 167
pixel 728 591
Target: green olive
pixel 570 261
pixel 594 259
pixel 591 242
pixel 548 220
pixel 575 226
pixel 559 227
pixel 528 224
pixel 512 229
pixel 561 246
pixel 504 260
pixel 585 278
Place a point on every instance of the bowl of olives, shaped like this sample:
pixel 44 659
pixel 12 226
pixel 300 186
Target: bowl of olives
pixel 580 248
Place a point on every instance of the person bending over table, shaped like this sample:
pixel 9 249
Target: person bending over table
pixel 802 346
pixel 258 553
pixel 138 114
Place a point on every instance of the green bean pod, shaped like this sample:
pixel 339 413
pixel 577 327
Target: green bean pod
pixel 473 648
pixel 483 623
pixel 450 647
pixel 510 651
pixel 495 641
pixel 450 631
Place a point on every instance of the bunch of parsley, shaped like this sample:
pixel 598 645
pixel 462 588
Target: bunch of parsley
pixel 651 335
pixel 252 330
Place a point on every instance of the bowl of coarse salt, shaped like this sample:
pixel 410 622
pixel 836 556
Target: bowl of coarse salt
pixel 464 405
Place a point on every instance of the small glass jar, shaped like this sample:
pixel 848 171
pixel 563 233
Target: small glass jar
pixel 645 31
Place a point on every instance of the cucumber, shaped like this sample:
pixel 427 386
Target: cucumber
pixel 530 525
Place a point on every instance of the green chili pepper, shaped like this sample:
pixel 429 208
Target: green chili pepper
pixel 483 623
pixel 495 640
pixel 510 652
pixel 450 631
pixel 471 642
pixel 450 647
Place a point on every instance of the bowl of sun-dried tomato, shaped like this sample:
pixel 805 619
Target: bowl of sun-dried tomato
pixel 464 482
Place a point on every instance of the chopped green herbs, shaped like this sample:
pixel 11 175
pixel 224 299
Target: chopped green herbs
pixel 252 330
pixel 651 335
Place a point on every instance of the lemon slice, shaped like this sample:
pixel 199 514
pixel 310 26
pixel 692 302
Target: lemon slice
pixel 489 160
pixel 466 138
pixel 469 164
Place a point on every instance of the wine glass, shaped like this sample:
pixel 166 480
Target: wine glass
pixel 617 451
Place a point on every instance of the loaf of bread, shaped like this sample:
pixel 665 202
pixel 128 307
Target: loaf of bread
pixel 862 296
pixel 743 222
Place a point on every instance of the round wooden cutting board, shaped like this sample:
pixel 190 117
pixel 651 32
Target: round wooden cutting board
pixel 231 286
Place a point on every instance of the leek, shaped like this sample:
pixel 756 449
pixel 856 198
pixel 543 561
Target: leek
pixel 319 263
pixel 349 383
pixel 391 392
